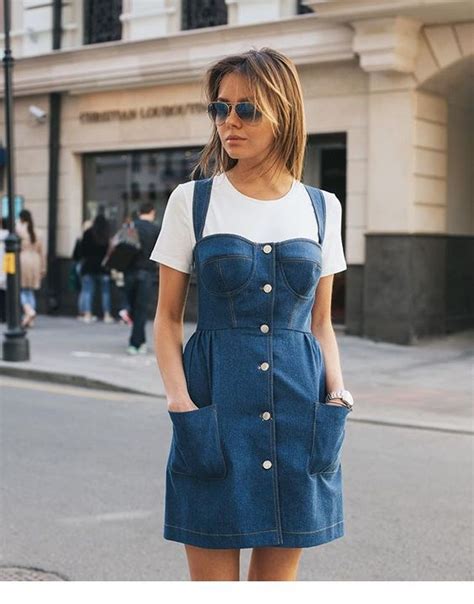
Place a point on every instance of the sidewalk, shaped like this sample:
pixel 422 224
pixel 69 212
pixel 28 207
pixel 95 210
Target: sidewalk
pixel 428 385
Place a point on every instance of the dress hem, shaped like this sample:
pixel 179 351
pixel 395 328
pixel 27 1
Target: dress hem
pixel 258 539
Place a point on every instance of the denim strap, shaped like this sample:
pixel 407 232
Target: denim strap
pixel 319 207
pixel 201 198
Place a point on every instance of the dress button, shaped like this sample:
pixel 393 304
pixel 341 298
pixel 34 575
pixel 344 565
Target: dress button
pixel 267 288
pixel 264 328
pixel 264 366
pixel 267 248
pixel 266 415
pixel 267 464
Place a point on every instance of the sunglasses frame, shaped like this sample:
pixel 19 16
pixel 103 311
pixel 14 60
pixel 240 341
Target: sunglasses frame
pixel 229 106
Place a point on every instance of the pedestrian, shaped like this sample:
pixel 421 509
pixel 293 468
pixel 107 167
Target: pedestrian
pixel 139 277
pixel 256 398
pixel 75 274
pixel 118 276
pixel 32 266
pixel 95 245
pixel 3 276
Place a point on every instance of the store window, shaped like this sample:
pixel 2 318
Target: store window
pixel 203 13
pixel 102 21
pixel 302 9
pixel 325 167
pixel 115 184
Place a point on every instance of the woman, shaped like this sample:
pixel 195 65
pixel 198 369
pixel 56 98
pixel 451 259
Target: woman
pixel 256 398
pixel 95 245
pixel 32 266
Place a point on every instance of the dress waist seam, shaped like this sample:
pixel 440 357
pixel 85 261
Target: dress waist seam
pixel 245 328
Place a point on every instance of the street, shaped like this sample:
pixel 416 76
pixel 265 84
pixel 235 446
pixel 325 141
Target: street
pixel 82 493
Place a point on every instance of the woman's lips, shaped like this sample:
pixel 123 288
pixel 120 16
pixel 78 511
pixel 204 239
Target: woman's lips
pixel 235 140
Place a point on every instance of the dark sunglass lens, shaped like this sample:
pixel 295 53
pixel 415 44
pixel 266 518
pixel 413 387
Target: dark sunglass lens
pixel 247 112
pixel 218 111
pixel 211 111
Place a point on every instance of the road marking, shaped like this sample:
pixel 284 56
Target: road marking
pixel 87 354
pixel 136 360
pixel 108 517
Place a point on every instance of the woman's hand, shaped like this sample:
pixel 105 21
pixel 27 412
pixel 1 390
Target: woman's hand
pixel 182 405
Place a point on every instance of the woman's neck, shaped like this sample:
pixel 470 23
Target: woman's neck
pixel 263 187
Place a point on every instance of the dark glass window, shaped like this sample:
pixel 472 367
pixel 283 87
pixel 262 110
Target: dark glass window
pixel 203 13
pixel 303 9
pixel 325 167
pixel 102 21
pixel 115 187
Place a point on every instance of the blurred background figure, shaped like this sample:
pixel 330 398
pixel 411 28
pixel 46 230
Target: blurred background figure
pixel 32 266
pixel 124 311
pixel 139 277
pixel 3 276
pixel 95 245
pixel 75 277
pixel 119 278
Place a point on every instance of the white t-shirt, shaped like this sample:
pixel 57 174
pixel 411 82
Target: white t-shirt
pixel 230 211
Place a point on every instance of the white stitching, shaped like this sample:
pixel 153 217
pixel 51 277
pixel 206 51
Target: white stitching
pixel 221 534
pixel 310 532
pixel 254 532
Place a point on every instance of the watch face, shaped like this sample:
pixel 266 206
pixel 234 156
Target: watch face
pixel 348 397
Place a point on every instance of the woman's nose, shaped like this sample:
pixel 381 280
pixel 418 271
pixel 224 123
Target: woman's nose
pixel 232 118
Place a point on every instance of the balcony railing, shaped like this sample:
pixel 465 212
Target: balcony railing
pixel 102 21
pixel 203 13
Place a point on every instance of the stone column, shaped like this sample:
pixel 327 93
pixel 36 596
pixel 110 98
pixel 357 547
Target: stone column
pixel 150 19
pixel 240 12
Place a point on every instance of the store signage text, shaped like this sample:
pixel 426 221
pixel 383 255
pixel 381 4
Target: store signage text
pixel 140 113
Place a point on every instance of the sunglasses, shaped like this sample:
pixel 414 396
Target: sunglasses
pixel 219 111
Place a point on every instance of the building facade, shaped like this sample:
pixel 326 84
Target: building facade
pixel 389 112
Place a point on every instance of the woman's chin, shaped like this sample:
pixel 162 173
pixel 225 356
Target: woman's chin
pixel 236 154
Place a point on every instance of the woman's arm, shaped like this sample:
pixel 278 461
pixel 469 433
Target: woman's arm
pixel 322 328
pixel 168 336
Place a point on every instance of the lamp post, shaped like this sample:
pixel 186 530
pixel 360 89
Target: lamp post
pixel 15 345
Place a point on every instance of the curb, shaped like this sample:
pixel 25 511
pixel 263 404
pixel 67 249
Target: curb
pixel 85 382
pixel 68 379
pixel 393 423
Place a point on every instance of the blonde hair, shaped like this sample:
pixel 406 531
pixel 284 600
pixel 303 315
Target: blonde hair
pixel 277 94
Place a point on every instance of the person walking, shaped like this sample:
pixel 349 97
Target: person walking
pixel 95 245
pixel 32 266
pixel 118 275
pixel 256 398
pixel 75 275
pixel 138 278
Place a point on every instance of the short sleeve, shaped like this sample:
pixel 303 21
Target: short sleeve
pixel 333 259
pixel 174 245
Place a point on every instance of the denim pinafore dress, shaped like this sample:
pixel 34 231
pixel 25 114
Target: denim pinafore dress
pixel 259 463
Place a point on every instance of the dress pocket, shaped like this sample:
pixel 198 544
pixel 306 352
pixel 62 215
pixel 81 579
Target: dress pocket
pixel 328 437
pixel 196 448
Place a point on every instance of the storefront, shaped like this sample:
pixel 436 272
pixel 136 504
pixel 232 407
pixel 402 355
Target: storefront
pixel 389 114
pixel 115 183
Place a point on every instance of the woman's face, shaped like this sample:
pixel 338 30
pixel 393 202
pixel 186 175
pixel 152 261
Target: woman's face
pixel 256 139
